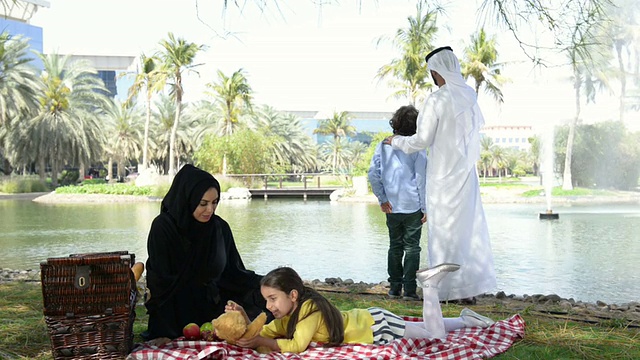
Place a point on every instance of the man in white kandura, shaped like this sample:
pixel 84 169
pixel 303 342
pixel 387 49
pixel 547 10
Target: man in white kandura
pixel 448 125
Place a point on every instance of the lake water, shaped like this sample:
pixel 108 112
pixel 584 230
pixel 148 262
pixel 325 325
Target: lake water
pixel 589 254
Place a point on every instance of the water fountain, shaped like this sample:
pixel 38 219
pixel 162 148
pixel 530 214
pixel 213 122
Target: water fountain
pixel 546 170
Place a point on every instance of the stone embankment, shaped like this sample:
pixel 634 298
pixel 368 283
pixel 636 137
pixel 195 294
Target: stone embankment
pixel 498 305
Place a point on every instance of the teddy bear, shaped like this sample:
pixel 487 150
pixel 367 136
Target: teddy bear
pixel 231 326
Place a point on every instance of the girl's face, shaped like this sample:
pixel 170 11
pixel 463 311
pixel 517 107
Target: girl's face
pixel 278 302
pixel 207 207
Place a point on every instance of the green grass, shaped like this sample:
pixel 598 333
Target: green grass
pixel 557 191
pixel 23 332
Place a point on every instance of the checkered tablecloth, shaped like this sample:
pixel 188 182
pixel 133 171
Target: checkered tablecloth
pixel 469 343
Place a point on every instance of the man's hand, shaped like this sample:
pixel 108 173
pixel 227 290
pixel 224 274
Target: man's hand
pixel 424 218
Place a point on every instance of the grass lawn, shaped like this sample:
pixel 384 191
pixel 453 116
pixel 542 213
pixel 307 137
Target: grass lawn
pixel 23 332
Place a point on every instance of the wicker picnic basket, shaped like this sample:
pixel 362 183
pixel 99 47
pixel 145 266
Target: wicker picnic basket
pixel 89 305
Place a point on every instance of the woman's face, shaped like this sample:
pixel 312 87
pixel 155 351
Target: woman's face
pixel 207 206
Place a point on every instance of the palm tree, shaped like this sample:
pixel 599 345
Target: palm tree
pixel 624 33
pixel 558 20
pixel 535 153
pixel 409 73
pixel 187 133
pixel 292 148
pixel 480 64
pixel 18 84
pixel 486 154
pixel 588 59
pixel 152 81
pixel 66 128
pixel 178 56
pixel 124 134
pixel 233 97
pixel 18 80
pixel 498 159
pixel 338 126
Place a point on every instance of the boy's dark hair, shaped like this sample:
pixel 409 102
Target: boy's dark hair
pixel 286 279
pixel 404 120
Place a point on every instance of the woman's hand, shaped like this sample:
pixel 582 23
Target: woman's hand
pixel 233 306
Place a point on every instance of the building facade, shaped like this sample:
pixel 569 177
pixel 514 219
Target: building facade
pixel 509 136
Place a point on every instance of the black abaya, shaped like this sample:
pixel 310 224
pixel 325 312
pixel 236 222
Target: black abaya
pixel 194 268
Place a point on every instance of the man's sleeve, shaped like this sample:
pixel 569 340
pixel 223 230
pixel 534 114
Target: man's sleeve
pixel 426 129
pixel 421 179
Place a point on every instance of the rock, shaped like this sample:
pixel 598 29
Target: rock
pixel 337 194
pixel 151 177
pixel 236 194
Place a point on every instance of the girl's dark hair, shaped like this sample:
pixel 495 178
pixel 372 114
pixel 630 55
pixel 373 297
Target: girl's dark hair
pixel 404 120
pixel 286 279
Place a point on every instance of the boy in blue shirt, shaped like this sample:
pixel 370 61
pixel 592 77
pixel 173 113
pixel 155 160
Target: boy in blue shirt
pixel 398 181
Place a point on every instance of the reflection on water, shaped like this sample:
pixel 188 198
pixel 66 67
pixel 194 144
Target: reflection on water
pixel 588 254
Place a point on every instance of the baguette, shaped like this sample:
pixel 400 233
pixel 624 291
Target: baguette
pixel 138 269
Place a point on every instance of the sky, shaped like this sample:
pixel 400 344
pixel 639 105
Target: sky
pixel 298 55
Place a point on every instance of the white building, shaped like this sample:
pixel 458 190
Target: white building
pixel 509 136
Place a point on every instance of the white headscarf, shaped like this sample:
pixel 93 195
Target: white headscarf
pixel 469 119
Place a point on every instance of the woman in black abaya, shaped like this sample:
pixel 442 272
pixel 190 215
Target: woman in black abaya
pixel 194 267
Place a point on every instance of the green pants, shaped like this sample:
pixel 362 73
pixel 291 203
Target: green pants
pixel 404 241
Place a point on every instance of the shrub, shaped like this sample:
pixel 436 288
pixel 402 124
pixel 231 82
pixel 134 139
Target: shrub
pixel 18 186
pixel 68 177
pixel 109 189
pixel 93 181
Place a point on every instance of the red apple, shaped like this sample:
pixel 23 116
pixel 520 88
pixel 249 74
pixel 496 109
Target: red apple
pixel 191 331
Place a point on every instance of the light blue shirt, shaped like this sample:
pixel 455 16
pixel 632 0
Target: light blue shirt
pixel 399 178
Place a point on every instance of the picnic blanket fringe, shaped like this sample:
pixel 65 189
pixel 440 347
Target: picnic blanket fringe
pixel 469 343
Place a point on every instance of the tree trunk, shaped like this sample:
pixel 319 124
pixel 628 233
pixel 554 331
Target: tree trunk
pixel 623 80
pixel 54 174
pixel 145 149
pixel 567 183
pixel 172 138
pixel 110 169
pixel 120 169
pixel 224 165
pixel 41 170
pixel 7 166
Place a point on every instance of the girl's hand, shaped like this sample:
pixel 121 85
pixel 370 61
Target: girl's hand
pixel 388 140
pixel 252 343
pixel 257 341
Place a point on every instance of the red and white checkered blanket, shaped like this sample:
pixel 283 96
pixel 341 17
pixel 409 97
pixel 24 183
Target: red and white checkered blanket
pixel 468 343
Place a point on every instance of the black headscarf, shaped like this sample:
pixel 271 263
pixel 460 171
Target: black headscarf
pixel 187 189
